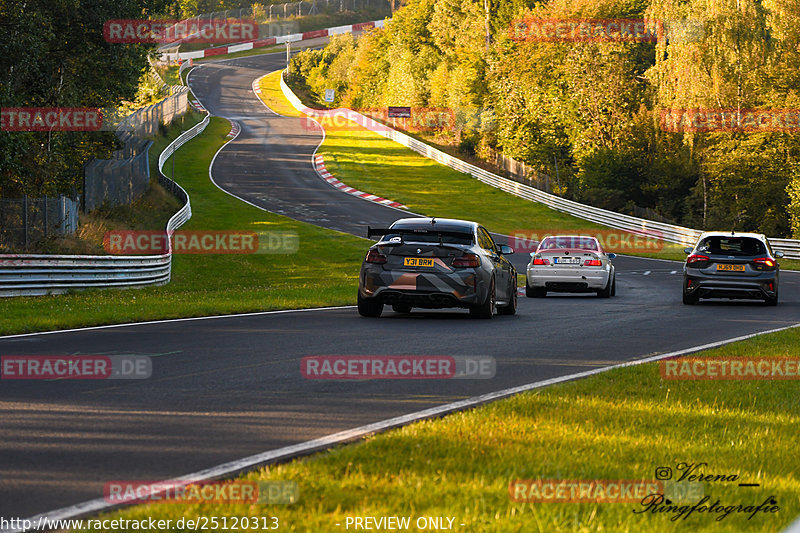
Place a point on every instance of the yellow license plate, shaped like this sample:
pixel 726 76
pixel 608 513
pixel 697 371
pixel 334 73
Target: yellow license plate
pixel 423 262
pixel 731 268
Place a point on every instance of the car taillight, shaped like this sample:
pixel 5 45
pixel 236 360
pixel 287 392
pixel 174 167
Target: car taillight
pixel 467 261
pixel 764 261
pixel 540 261
pixel 374 256
pixel 592 263
pixel 696 258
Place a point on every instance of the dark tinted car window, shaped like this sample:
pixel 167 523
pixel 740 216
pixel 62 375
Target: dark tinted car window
pixel 732 246
pixel 432 238
pixel 568 241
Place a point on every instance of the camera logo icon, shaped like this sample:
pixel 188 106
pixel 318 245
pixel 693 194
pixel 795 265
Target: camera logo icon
pixel 663 473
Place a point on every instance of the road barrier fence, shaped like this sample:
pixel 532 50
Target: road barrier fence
pixel 27 220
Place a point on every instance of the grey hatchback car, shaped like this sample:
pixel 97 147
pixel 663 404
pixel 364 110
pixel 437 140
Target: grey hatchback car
pixel 731 265
pixel 437 263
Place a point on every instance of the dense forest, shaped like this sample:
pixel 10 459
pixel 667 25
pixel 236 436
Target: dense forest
pixel 53 54
pixel 596 107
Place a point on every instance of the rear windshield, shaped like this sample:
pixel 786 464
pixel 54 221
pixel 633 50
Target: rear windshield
pixel 569 241
pixel 433 238
pixel 732 246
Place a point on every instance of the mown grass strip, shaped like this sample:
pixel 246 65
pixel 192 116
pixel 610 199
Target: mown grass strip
pixel 323 272
pixel 619 425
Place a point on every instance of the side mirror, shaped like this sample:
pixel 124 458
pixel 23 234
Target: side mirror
pixel 505 250
pixel 611 255
pixel 687 250
pixel 779 255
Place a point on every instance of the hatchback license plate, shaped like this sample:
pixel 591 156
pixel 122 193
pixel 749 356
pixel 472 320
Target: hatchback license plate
pixel 422 262
pixel 731 268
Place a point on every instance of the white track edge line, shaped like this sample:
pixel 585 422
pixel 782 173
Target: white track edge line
pixel 184 319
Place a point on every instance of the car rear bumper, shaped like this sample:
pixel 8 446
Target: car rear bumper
pixel 568 279
pixel 751 288
pixel 463 288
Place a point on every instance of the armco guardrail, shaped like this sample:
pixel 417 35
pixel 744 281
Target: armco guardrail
pixel 670 232
pixel 271 41
pixel 33 275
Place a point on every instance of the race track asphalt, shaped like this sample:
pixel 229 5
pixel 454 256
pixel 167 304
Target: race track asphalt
pixel 225 388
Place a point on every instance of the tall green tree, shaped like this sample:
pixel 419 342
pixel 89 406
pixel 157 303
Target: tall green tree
pixel 53 54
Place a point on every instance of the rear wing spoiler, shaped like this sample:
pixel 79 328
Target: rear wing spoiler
pixel 402 232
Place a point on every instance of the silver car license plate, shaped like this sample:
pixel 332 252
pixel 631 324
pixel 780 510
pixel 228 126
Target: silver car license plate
pixel 568 260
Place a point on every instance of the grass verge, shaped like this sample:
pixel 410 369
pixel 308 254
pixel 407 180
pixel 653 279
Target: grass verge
pixel 323 272
pixel 619 425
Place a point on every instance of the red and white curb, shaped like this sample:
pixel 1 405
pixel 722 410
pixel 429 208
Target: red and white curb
pixel 319 166
pixel 260 43
pixel 235 129
pixel 198 106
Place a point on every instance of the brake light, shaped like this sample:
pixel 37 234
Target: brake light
pixel 696 258
pixel 467 261
pixel 539 261
pixel 374 256
pixel 764 261
pixel 592 263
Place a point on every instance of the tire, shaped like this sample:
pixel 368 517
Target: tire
pixel 772 302
pixel 487 308
pixel 614 286
pixel 609 288
pixel 369 307
pixel 689 299
pixel 511 308
pixel 401 308
pixel 535 292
